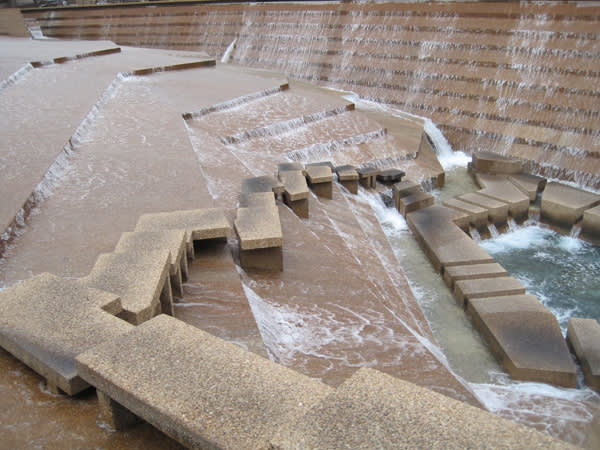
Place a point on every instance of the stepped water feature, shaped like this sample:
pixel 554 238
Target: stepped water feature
pixel 187 139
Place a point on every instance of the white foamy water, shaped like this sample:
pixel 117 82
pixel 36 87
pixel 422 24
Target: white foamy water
pixel 16 77
pixel 229 52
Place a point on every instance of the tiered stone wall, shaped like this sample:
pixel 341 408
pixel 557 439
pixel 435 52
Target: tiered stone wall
pixel 513 78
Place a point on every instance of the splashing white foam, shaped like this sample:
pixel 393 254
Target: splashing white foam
pixel 229 52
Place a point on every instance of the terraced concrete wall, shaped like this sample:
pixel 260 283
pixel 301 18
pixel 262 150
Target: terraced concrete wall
pixel 514 78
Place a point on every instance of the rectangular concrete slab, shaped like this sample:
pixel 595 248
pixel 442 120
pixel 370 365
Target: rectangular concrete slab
pixel 500 188
pixel 525 337
pixel 141 281
pixel 442 240
pixel 295 185
pixel 591 221
pixel 414 202
pixel 583 336
pixel 471 272
pixel 530 185
pixel 141 242
pixel 466 290
pixel 209 223
pixel 375 410
pixel 198 389
pixel 497 210
pixel 46 321
pixel 564 205
pixel 258 227
pixel 318 174
pixel 477 216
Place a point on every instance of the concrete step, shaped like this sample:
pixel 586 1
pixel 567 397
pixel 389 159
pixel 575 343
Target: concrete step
pixel 375 410
pixel 526 337
pixel 46 321
pixel 583 336
pixel 196 388
pixel 565 205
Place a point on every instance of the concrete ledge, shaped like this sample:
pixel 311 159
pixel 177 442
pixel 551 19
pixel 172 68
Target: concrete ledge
pixel 142 242
pixel 583 336
pixel 320 180
pixel 46 321
pixel 404 189
pixel 442 241
pixel 499 188
pixel 198 389
pixel 367 177
pixel 591 221
pixel 389 176
pixel 564 204
pixel 415 202
pixel 258 227
pixel 348 177
pixel 295 194
pixel 183 66
pixel 530 185
pixel 525 337
pixel 374 410
pixel 141 281
pixel 488 162
pixel 469 289
pixel 476 215
pixel 472 272
pixel 497 210
pixel 199 224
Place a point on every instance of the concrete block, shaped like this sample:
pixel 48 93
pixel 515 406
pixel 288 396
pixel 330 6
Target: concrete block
pixel 497 210
pixel 583 335
pixel 258 227
pixel 500 188
pixel 199 224
pixel 295 194
pixel 525 337
pixel 403 189
pixel 591 221
pixel 375 410
pixel 262 259
pixel 117 417
pixel 415 202
pixel 468 289
pixel 442 240
pixel 141 242
pixel 472 272
pixel 320 180
pixel 290 167
pixel 488 162
pixel 530 185
pixel 141 281
pixel 367 177
pixel 257 200
pixel 389 176
pixel 348 177
pixel 46 321
pixel 477 216
pixel 564 205
pixel 198 389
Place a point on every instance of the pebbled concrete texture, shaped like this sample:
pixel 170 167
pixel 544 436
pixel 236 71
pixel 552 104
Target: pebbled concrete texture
pixel 375 410
pixel 564 204
pixel 141 281
pixel 259 226
pixel 198 389
pixel 526 337
pixel 583 335
pixel 46 321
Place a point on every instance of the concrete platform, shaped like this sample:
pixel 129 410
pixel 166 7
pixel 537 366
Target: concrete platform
pixel 497 210
pixel 530 185
pixel 476 215
pixel 374 410
pixel 320 180
pixel 196 388
pixel 141 281
pixel 389 176
pixel 348 177
pixel 142 242
pixel 469 289
pixel 488 162
pixel 565 205
pixel 525 336
pixel 472 272
pixel 501 189
pixel 368 177
pixel 200 224
pixel 414 202
pixel 404 189
pixel 591 221
pixel 46 321
pixel 583 336
pixel 443 241
pixel 295 194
